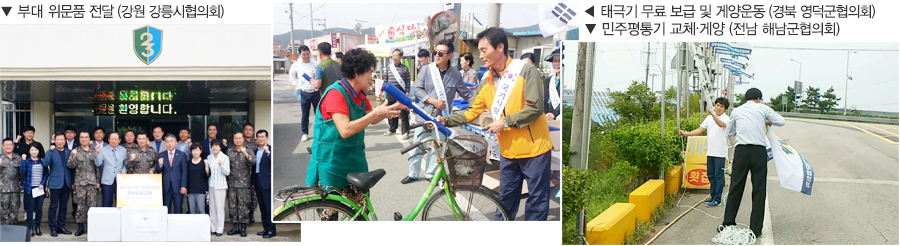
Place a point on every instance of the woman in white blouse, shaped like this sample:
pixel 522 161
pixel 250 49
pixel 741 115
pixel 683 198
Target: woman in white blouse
pixel 218 168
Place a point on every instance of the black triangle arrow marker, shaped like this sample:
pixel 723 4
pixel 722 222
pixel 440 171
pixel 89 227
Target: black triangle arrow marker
pixel 6 10
pixel 590 11
pixel 590 27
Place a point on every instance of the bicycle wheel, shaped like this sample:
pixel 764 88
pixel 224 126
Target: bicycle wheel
pixel 320 210
pixel 477 205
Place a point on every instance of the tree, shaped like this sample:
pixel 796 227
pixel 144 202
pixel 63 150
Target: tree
pixel 828 101
pixel 812 98
pixel 791 101
pixel 637 104
pixel 738 100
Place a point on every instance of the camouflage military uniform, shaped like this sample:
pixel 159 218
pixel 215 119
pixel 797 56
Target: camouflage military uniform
pixel 10 190
pixel 134 146
pixel 144 160
pixel 251 147
pixel 239 192
pixel 87 176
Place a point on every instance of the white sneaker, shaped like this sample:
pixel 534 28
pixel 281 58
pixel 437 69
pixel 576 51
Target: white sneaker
pixel 388 133
pixel 304 138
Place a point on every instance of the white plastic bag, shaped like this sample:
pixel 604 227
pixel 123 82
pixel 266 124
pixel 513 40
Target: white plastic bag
pixel 794 173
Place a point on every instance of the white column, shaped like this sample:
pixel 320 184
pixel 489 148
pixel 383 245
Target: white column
pixel 261 116
pixel 42 120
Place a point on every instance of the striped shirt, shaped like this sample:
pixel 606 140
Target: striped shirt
pixel 404 75
pixel 217 173
pixel 37 171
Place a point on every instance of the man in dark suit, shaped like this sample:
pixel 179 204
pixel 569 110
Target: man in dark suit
pixel 262 179
pixel 61 182
pixel 212 130
pixel 173 167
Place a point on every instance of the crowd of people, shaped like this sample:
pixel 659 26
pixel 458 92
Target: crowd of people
pixel 342 112
pixel 236 174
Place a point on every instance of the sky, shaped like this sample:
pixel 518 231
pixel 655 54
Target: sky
pixel 512 15
pixel 875 84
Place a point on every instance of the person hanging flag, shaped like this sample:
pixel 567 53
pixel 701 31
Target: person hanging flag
pixel 555 18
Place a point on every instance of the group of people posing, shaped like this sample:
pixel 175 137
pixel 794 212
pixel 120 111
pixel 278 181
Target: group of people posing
pixel 513 90
pixel 89 167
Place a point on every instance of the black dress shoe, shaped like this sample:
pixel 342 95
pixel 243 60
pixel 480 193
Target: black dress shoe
pixel 212 233
pixel 218 234
pixel 63 231
pixel 269 234
pixel 53 233
pixel 261 233
pixel 243 230
pixel 37 231
pixel 407 180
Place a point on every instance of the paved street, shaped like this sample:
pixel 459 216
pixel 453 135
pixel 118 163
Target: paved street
pixel 854 197
pixel 389 196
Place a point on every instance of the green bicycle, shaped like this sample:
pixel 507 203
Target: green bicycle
pixel 462 199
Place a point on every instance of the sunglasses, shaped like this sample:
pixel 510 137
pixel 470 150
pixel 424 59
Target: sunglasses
pixel 439 53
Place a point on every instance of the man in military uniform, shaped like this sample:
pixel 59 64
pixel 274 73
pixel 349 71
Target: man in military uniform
pixel 142 158
pixel 87 180
pixel 130 140
pixel 239 190
pixel 10 189
pixel 250 142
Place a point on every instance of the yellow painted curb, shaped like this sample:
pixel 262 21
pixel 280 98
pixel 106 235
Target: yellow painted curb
pixel 646 198
pixel 673 180
pixel 613 226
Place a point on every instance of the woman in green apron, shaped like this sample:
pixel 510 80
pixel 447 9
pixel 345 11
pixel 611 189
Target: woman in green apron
pixel 341 120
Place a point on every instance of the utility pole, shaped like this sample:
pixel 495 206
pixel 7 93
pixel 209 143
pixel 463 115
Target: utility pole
pixel 846 84
pixel 679 58
pixel 647 69
pixel 493 15
pixel 579 110
pixel 588 98
pixel 322 23
pixel 662 101
pixel 581 119
pixel 291 45
pixel 311 26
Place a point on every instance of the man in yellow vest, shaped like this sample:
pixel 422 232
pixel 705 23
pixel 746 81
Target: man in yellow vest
pixel 514 94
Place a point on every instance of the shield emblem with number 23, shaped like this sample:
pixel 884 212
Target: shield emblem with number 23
pixel 147 43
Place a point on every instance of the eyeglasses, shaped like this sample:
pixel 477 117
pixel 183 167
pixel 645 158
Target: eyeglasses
pixel 438 53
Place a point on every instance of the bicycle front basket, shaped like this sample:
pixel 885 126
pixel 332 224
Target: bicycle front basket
pixel 465 160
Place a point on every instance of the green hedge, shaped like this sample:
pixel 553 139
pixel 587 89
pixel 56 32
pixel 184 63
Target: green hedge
pixel 622 158
pixel 594 191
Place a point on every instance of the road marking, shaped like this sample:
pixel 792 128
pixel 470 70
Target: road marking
pixel 870 133
pixel 881 130
pixel 848 181
pixel 768 237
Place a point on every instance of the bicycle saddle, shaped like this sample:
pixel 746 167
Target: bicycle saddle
pixel 365 180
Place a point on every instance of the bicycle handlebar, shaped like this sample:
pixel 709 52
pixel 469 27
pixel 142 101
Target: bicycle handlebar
pixel 411 146
pixel 404 99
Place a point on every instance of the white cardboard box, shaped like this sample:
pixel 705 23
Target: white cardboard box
pixel 103 224
pixel 145 224
pixel 189 228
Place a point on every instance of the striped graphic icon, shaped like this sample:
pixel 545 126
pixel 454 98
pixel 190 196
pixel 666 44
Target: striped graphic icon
pixel 563 12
